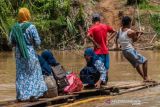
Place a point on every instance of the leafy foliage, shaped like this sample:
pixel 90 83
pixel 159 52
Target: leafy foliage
pixel 155 21
pixel 53 19
pixel 145 4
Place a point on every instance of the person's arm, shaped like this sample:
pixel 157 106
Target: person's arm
pixel 112 33
pixel 35 36
pixel 134 35
pixel 101 68
pixel 139 33
pixel 92 40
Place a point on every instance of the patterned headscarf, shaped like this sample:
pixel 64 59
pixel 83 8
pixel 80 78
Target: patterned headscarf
pixel 23 15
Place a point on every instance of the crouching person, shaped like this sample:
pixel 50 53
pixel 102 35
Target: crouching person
pixel 56 69
pixel 48 77
pixel 94 74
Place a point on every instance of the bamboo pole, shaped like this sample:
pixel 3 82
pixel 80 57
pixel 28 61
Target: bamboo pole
pixel 137 88
pixel 139 23
pixel 153 38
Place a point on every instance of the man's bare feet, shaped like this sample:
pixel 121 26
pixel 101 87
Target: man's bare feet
pixel 149 81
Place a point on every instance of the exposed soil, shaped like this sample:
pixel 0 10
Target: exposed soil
pixel 113 10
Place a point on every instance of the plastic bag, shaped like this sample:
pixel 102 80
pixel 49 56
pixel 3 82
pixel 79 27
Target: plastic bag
pixel 75 84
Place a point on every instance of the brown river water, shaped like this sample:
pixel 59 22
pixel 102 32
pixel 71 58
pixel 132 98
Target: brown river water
pixel 120 70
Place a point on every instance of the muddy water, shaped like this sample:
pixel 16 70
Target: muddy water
pixel 143 98
pixel 120 70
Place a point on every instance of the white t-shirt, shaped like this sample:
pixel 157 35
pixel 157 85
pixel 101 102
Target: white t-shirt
pixel 124 40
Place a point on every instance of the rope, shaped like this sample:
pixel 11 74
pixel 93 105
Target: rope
pixel 139 23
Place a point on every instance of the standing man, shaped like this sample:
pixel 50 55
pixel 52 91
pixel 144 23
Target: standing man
pixel 97 33
pixel 126 36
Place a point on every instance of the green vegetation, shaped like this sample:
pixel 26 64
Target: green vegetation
pixel 57 21
pixel 155 22
pixel 143 4
pixel 5 22
pixel 147 6
pixel 154 19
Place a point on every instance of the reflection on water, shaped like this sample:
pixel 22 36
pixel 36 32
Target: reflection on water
pixel 120 69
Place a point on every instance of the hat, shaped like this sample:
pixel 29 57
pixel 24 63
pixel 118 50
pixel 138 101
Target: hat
pixel 95 17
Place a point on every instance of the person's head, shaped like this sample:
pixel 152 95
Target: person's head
pixel 24 15
pixel 89 54
pixel 126 21
pixel 48 56
pixel 96 17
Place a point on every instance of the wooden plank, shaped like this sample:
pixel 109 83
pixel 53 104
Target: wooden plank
pixel 124 85
pixel 49 100
pixel 131 86
pixel 89 91
pixel 42 101
pixel 147 85
pixel 7 102
pixel 92 92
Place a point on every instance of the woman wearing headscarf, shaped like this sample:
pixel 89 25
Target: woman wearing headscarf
pixel 94 74
pixel 29 79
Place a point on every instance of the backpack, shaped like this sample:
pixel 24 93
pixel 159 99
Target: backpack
pixel 60 76
pixel 51 85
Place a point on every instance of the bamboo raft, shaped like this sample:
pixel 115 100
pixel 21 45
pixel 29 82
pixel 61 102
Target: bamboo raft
pixel 111 89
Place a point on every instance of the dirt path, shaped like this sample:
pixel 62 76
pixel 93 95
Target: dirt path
pixel 109 10
pixel 112 10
